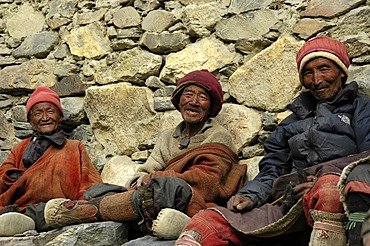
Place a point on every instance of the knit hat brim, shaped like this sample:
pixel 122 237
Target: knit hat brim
pixel 326 47
pixel 43 94
pixel 206 80
pixel 323 54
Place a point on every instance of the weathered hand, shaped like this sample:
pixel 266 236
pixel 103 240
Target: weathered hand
pixel 239 203
pixel 300 189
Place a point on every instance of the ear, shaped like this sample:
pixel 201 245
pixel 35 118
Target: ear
pixel 60 119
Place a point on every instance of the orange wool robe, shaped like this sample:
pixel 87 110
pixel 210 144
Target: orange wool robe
pixel 65 172
pixel 212 171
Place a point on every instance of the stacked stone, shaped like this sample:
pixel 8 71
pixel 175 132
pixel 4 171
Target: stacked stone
pixel 115 64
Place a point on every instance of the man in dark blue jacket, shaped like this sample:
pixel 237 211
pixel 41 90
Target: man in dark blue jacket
pixel 305 156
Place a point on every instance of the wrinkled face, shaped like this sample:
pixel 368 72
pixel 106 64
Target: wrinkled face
pixel 45 117
pixel 195 104
pixel 323 78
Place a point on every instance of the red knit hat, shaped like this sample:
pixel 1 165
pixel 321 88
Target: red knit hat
pixel 206 80
pixel 43 94
pixel 326 47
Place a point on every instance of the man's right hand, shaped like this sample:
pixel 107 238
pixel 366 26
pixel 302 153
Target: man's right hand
pixel 239 203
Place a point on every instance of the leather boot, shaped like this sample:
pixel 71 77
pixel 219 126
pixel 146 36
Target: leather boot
pixel 328 229
pixel 117 207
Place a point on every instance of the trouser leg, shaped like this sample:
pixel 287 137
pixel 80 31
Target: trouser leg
pixel 36 212
pixel 162 202
pixel 208 227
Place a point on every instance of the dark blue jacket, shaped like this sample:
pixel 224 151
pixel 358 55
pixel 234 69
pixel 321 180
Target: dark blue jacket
pixel 316 132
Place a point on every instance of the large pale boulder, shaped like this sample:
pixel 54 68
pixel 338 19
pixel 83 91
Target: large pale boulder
pixel 170 119
pixel 200 19
pixel 243 123
pixel 252 166
pixel 208 53
pixel 25 22
pixel 118 170
pixel 28 75
pixel 244 27
pixel 88 41
pixel 122 116
pixel 134 66
pixel 268 81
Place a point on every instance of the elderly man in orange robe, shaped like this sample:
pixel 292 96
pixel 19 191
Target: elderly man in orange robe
pixel 42 167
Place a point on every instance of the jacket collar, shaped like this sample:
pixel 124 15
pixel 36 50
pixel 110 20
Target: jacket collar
pixel 305 104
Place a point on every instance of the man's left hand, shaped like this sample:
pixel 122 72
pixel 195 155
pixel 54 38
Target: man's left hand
pixel 302 188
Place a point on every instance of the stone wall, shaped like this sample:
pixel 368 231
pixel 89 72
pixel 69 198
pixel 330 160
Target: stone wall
pixel 115 64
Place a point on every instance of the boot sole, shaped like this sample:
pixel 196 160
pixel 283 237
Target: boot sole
pixel 169 223
pixel 15 223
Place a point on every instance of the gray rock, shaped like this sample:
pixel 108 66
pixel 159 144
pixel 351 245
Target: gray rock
pixel 25 22
pixel 38 45
pixel 69 86
pixel 19 113
pixel 73 108
pixel 126 17
pixel 134 66
pixel 146 5
pixel 165 42
pixel 200 19
pixel 88 41
pixel 149 241
pixel 252 25
pixel 66 69
pixel 28 75
pixel 3 155
pixel 6 129
pixel 163 104
pixel 264 90
pixel 158 21
pixel 117 127
pixel 89 17
pixel 329 9
pixel 240 6
pixel 102 233
pixel 208 53
pixel 154 82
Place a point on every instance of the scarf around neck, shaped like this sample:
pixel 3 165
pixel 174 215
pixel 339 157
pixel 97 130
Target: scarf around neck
pixel 39 144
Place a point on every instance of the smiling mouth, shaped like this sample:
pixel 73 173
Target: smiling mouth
pixel 192 111
pixel 320 89
pixel 45 125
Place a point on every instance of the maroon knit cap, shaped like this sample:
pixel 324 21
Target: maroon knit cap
pixel 43 94
pixel 326 47
pixel 206 80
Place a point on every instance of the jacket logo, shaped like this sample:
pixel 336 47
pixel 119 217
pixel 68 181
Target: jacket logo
pixel 345 119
